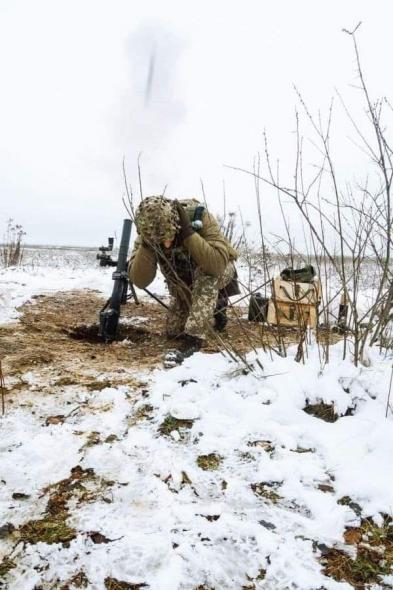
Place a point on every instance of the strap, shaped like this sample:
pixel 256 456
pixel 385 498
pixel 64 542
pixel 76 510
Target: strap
pixel 197 218
pixel 198 213
pixel 296 300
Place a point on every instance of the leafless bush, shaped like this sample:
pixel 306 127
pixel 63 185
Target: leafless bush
pixel 347 229
pixel 347 226
pixel 11 251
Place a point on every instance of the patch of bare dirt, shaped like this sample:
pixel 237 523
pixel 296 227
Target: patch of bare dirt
pixel 46 338
pixel 83 486
pixel 58 334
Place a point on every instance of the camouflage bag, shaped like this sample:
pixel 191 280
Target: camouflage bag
pixel 300 275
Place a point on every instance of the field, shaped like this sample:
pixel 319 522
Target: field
pixel 243 472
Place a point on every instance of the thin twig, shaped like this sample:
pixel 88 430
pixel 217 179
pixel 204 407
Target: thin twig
pixel 2 389
pixel 390 391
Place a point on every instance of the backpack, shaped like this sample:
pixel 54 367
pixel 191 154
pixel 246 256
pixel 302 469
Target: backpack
pixel 299 275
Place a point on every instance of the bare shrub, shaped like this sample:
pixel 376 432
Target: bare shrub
pixel 347 226
pixel 11 251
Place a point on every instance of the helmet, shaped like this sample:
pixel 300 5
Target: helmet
pixel 156 218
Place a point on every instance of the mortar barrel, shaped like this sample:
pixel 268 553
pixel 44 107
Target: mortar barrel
pixel 124 245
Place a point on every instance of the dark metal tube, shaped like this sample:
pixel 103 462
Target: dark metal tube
pixel 110 314
pixel 124 244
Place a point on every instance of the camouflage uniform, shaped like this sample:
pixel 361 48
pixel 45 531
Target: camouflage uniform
pixel 193 314
pixel 195 270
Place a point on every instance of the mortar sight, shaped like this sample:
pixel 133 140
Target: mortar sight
pixel 103 256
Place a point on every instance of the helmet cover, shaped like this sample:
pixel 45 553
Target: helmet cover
pixel 156 219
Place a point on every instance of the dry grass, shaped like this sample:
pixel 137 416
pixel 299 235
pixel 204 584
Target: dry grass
pixel 170 424
pixel 113 584
pixel 78 580
pixel 144 412
pixel 266 490
pixel 50 529
pixel 266 445
pixel 374 555
pixel 209 462
pixel 261 576
pixel 53 527
pixel 6 565
pixel 82 485
pixel 323 411
pixel 11 250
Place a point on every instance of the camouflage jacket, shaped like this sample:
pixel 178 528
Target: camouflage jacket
pixel 208 249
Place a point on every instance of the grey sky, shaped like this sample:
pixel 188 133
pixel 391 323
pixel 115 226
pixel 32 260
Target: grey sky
pixel 73 100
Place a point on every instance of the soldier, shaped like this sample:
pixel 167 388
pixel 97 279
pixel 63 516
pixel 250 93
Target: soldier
pixel 196 259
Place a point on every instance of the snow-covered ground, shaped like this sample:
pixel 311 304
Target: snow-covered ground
pixel 47 270
pixel 242 494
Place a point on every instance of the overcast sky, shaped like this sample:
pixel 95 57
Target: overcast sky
pixel 191 85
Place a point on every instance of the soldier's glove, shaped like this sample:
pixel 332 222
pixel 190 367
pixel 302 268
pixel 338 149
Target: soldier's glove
pixel 186 229
pixel 147 244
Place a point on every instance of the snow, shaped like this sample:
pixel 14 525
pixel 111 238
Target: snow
pixel 47 271
pixel 171 524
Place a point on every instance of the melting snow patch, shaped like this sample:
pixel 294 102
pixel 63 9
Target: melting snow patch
pixel 242 488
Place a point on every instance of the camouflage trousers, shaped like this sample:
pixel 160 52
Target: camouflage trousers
pixel 191 310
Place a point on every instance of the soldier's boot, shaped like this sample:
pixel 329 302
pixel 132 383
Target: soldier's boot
pixel 175 357
pixel 220 313
pixel 191 344
pixel 220 320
